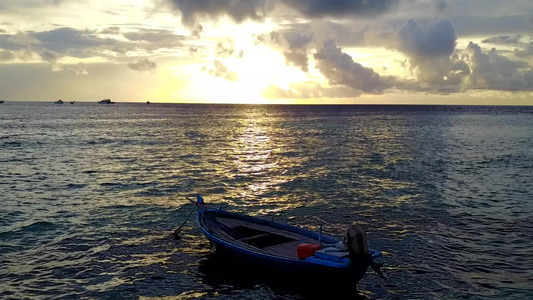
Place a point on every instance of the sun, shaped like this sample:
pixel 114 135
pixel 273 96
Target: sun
pixel 258 67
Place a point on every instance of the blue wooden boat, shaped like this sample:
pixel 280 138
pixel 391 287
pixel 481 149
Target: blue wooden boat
pixel 284 248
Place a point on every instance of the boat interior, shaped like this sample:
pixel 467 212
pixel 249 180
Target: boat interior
pixel 257 237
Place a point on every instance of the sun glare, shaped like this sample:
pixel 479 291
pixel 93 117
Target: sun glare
pixel 258 67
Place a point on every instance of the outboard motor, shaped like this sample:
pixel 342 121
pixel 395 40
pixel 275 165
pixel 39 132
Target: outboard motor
pixel 356 240
pixel 357 245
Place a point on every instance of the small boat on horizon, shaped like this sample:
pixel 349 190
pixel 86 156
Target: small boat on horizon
pixel 2 101
pixel 284 249
pixel 59 102
pixel 106 101
pixel 72 102
pixel 147 102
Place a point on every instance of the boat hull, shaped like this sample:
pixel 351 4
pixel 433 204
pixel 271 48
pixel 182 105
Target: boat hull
pixel 300 269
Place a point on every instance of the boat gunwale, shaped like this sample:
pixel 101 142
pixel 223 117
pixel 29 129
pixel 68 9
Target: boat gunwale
pixel 252 252
pixel 269 257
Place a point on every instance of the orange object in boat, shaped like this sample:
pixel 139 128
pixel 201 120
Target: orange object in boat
pixel 305 250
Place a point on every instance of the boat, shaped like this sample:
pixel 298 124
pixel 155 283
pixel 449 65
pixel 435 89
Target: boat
pixel 147 102
pixel 2 101
pixel 72 102
pixel 106 101
pixel 59 102
pixel 286 249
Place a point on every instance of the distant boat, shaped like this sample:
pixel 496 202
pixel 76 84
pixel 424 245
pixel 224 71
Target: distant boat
pixel 106 101
pixel 72 102
pixel 59 102
pixel 147 102
pixel 2 101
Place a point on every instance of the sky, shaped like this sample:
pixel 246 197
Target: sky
pixel 268 51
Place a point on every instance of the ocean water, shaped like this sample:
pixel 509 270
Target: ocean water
pixel 90 195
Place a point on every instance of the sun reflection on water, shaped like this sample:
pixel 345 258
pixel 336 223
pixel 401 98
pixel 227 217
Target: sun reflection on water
pixel 255 153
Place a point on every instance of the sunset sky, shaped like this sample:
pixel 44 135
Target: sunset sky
pixel 268 51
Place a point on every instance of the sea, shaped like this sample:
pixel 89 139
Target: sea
pixel 90 195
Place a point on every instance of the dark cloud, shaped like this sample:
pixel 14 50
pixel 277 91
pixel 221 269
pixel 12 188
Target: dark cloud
pixel 68 41
pixel 429 48
pixel 299 60
pixel 340 8
pixel 293 45
pixel 144 65
pixel 17 41
pixel 503 39
pixel 298 40
pixel 53 44
pixel 219 70
pixel 237 10
pixel 194 11
pixel 340 69
pixel 287 40
pixel 435 40
pixel 49 56
pixel 69 38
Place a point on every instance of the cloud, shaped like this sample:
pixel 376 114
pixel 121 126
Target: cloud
pixel 49 56
pixel 6 55
pixel 78 69
pixel 432 57
pixel 493 71
pixel 238 10
pixel 111 30
pixel 429 48
pixel 64 39
pixel 298 40
pixel 526 52
pixel 503 39
pixel 340 69
pixel 470 24
pixel 160 37
pixel 441 5
pixel 194 11
pixel 435 40
pixel 340 8
pixel 52 45
pixel 17 41
pixel 219 70
pixel 225 48
pixel 143 65
pixel 293 45
pixel 9 4
pixel 308 90
pixel 286 40
pixel 299 60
